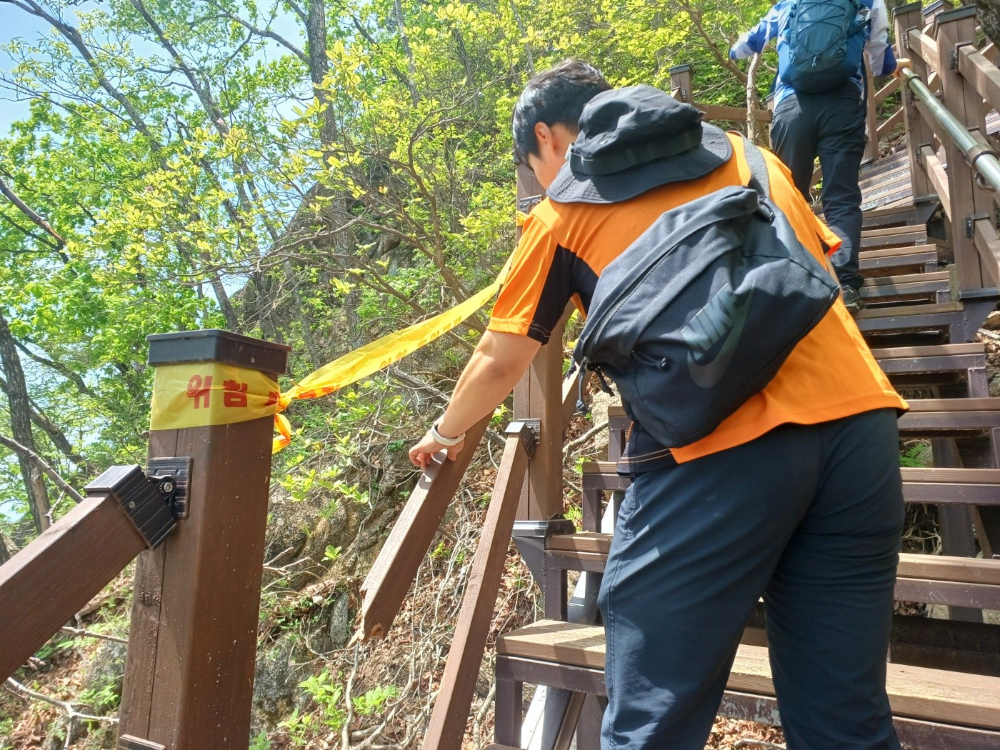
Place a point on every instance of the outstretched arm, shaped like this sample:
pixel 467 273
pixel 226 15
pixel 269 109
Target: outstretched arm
pixel 496 365
pixel 754 41
pixel 880 55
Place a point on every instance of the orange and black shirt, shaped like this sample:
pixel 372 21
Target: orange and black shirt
pixel 830 374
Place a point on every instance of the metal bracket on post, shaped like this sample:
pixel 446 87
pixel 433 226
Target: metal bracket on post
pixel 148 501
pixel 530 432
pixel 177 469
pixel 970 223
pixel 918 152
pixel 530 538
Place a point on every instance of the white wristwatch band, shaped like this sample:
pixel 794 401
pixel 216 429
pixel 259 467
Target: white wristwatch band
pixel 445 441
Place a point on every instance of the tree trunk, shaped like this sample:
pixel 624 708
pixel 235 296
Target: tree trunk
pixel 319 64
pixel 20 424
pixel 754 134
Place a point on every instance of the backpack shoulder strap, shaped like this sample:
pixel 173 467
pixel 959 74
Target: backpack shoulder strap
pixel 759 179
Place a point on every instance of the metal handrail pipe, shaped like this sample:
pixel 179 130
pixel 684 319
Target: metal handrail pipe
pixel 983 160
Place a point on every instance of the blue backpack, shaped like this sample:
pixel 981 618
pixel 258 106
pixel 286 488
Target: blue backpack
pixel 823 44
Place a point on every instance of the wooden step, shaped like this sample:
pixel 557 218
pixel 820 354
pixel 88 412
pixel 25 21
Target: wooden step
pixel 909 311
pixel 915 692
pixel 903 249
pixel 917 286
pixel 893 237
pixel 932 567
pixel 932 485
pixel 912 262
pixel 901 215
pixel 911 370
pixel 944 350
pixel 933 579
pixel 938 318
pixel 950 415
pixel 954 404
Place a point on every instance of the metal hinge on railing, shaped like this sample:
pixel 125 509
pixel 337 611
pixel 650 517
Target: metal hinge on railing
pixel 970 223
pixel 153 502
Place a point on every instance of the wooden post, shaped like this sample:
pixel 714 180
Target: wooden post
pixel 681 77
pixel 907 17
pixel 955 27
pixel 193 635
pixel 539 396
pixel 871 117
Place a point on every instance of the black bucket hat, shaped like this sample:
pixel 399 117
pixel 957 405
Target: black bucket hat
pixel 635 139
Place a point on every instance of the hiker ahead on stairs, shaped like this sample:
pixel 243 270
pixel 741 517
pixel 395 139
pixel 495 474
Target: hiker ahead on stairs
pixel 819 104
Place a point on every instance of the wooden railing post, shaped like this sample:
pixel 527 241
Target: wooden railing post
pixel 871 116
pixel 918 133
pixel 539 396
pixel 954 28
pixel 680 83
pixel 193 635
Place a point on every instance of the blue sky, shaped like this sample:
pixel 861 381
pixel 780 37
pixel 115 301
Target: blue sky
pixel 15 23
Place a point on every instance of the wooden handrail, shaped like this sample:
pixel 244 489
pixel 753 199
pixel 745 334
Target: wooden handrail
pixel 394 569
pixel 51 579
pixel 981 73
pixel 925 47
pixel 886 127
pixel 938 177
pixel 736 114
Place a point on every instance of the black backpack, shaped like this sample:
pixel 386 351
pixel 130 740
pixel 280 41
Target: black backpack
pixel 700 312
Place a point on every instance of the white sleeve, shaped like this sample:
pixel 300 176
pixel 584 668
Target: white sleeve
pixel 879 53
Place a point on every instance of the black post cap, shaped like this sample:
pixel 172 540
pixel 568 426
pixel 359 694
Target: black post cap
pixel 213 345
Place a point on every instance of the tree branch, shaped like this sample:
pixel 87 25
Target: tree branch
pixel 91 634
pixel 71 713
pixel 61 369
pixel 268 34
pixel 694 13
pixel 41 464
pixel 27 211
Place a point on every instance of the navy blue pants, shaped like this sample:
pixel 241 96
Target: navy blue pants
pixel 810 518
pixel 832 127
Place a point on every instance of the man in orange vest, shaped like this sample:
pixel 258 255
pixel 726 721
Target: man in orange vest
pixel 795 496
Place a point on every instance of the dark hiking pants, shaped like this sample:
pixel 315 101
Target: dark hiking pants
pixel 832 127
pixel 810 518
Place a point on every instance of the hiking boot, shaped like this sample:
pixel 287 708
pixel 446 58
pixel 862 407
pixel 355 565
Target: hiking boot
pixel 852 299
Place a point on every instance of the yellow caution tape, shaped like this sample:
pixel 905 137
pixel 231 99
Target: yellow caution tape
pixel 210 393
pixel 197 395
pixel 380 353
